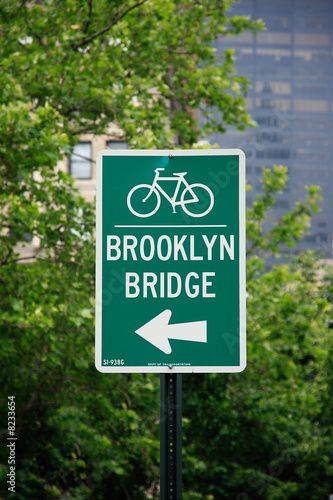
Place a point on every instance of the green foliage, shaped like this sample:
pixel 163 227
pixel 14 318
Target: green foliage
pixel 266 433
pixel 292 226
pixel 73 66
pixel 141 65
pixel 265 426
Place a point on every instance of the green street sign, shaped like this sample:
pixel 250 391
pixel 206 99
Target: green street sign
pixel 170 261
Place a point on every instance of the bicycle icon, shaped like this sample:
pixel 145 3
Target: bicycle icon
pixel 198 196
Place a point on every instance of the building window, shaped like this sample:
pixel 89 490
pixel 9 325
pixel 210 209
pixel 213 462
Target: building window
pixel 311 39
pixel 117 144
pixel 273 87
pixel 279 104
pixel 282 153
pixel 80 164
pixel 284 204
pixel 281 38
pixel 317 105
pixel 316 238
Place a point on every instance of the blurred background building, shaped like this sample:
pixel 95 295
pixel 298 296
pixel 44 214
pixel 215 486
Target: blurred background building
pixel 290 66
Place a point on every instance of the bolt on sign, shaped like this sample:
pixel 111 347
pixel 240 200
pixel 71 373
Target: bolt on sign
pixel 170 261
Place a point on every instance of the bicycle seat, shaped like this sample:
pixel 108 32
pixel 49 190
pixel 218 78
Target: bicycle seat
pixel 180 174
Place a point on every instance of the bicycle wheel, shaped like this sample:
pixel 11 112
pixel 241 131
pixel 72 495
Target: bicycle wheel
pixel 202 206
pixel 144 205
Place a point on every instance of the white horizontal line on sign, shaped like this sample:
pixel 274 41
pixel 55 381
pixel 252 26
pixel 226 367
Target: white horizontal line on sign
pixel 165 225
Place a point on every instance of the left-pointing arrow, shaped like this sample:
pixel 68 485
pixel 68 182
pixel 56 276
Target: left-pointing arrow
pixel 158 331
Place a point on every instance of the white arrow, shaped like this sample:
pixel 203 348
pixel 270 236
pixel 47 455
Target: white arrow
pixel 158 331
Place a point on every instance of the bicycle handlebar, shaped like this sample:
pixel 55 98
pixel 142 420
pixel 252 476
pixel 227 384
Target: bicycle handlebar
pixel 157 169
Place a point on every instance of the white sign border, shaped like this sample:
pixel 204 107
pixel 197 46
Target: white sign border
pixel 99 254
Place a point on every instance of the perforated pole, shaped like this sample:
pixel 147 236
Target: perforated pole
pixel 171 436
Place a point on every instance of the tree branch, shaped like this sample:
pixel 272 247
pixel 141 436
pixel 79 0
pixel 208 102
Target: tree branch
pixel 87 22
pixel 85 41
pixel 33 255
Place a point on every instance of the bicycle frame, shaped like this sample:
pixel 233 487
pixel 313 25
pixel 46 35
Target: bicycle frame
pixel 180 180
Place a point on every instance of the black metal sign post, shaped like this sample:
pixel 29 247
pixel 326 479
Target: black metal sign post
pixel 171 436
